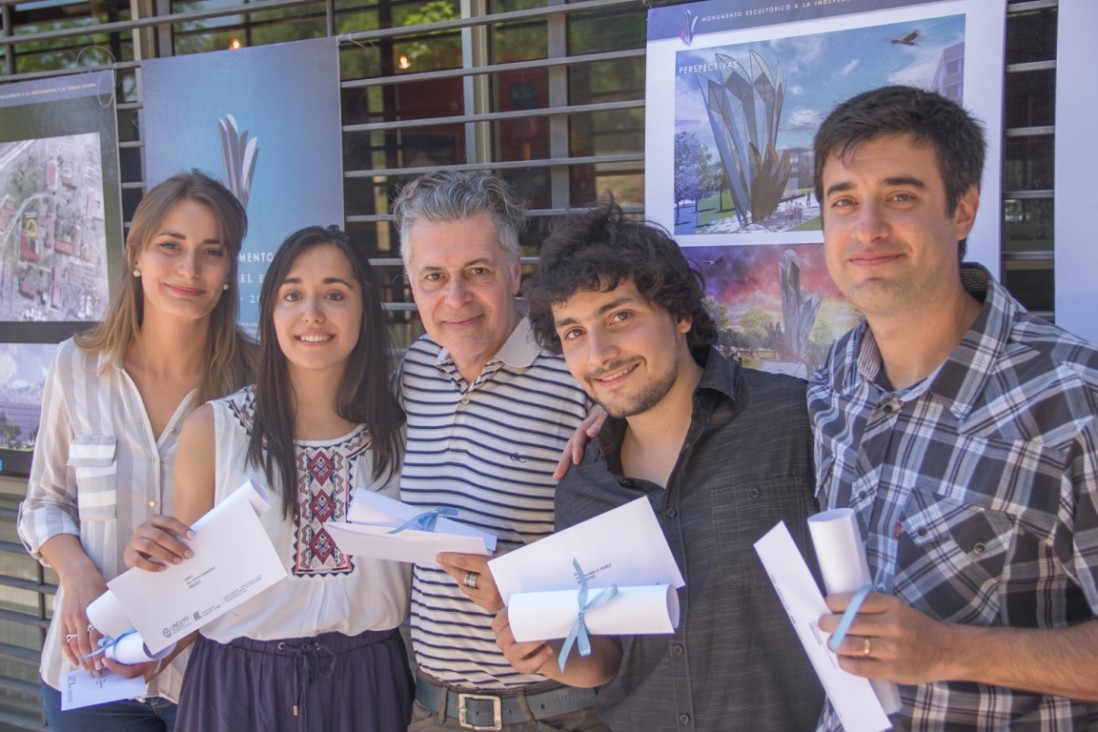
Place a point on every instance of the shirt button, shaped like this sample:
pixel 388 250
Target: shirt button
pixel 671 512
pixel 677 649
pixel 922 531
pixel 755 493
pixel 465 399
pixel 684 719
pixel 152 504
pixel 980 548
pixel 862 495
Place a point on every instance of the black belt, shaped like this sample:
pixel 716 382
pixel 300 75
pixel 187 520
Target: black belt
pixel 483 710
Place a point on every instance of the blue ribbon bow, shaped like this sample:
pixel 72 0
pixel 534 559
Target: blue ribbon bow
pixel 106 642
pixel 578 633
pixel 426 520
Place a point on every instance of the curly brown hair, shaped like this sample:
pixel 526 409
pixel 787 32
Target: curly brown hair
pixel 598 250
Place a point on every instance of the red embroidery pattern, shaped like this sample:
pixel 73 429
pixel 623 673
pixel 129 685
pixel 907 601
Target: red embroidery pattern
pixel 323 494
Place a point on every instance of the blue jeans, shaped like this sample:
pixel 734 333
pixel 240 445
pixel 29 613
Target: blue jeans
pixel 155 714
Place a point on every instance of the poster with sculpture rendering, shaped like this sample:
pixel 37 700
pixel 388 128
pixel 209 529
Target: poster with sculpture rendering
pixel 265 121
pixel 730 166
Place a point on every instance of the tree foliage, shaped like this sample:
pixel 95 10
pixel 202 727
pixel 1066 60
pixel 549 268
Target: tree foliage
pixel 697 173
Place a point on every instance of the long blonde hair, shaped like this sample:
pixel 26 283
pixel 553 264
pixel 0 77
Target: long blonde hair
pixel 230 354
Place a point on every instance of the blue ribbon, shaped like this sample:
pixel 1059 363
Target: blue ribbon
pixel 106 642
pixel 578 633
pixel 848 617
pixel 426 520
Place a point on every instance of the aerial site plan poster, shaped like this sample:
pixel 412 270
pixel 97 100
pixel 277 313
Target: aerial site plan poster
pixel 60 234
pixel 729 163
pixel 265 121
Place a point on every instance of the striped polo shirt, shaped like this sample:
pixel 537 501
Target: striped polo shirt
pixel 488 450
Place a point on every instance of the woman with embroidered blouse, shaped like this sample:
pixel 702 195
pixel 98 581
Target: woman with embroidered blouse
pixel 321 649
pixel 114 400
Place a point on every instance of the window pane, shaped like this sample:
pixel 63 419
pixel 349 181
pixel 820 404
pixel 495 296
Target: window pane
pixel 1028 163
pixel 1031 36
pixel 1032 284
pixel 1030 98
pixel 1027 224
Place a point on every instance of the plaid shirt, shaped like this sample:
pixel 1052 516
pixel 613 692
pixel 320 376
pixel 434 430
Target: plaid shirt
pixel 976 490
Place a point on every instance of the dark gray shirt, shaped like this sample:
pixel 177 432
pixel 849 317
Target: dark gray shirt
pixel 746 463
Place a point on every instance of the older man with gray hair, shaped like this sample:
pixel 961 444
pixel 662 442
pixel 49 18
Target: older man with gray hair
pixel 489 414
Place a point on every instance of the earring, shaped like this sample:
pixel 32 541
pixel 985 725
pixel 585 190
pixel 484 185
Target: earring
pixel 225 286
pixel 137 273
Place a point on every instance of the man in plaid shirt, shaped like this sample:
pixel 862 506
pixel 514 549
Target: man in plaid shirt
pixel 963 432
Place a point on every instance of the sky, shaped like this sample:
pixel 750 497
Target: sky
pixel 823 69
pixel 735 274
pixel 23 364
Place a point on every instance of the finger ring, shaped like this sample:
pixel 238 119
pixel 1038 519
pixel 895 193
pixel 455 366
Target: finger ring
pixel 91 628
pixel 866 648
pixel 70 637
pixel 470 580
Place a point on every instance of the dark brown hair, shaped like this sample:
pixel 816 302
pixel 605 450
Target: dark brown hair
pixel 931 119
pixel 364 393
pixel 599 250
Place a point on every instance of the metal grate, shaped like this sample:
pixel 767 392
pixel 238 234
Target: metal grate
pixel 585 60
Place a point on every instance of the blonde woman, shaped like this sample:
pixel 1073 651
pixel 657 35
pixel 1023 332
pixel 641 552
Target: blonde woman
pixel 114 401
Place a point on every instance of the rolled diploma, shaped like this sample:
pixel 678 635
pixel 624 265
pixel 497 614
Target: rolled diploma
pixel 107 614
pixel 841 554
pixel 633 611
pixel 131 649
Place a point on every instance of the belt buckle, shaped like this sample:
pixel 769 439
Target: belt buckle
pixel 497 716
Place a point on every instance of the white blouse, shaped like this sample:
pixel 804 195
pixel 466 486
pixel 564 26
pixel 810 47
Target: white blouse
pixel 325 590
pixel 97 473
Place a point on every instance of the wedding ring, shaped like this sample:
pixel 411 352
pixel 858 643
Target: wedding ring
pixel 866 648
pixel 470 580
pixel 70 637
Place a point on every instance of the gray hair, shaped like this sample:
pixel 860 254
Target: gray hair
pixel 455 195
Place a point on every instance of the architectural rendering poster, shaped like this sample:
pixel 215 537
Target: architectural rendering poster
pixel 265 121
pixel 60 234
pixel 729 164
pixel 23 369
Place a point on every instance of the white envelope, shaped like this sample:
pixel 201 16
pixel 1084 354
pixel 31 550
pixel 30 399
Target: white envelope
pixel 852 696
pixel 80 689
pixel 233 561
pixel 417 547
pixel 369 507
pixel 373 516
pixel 649 610
pixel 623 546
